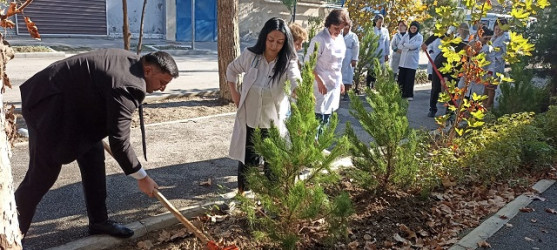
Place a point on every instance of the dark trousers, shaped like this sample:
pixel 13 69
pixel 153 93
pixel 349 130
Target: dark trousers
pixel 43 172
pixel 370 78
pixel 251 159
pixel 406 81
pixel 323 122
pixel 435 90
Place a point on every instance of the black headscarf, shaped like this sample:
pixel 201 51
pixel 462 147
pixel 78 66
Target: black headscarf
pixel 414 23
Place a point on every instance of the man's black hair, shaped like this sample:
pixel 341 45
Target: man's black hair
pixel 163 60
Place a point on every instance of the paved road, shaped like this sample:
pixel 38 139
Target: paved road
pixel 535 230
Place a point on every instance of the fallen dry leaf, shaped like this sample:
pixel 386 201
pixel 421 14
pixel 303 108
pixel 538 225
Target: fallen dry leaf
pixel 399 238
pixel 145 245
pixel 409 233
pixel 534 220
pixel 484 244
pixel 544 231
pixel 551 210
pixel 528 239
pixel 527 209
pixel 447 183
pixel 353 244
pixel 504 217
pixel 388 243
pixel 508 225
pixel 535 197
pixel 164 236
pixel 370 245
pixel 206 183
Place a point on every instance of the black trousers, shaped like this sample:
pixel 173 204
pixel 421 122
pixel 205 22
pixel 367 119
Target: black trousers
pixel 435 90
pixel 251 159
pixel 406 79
pixel 43 172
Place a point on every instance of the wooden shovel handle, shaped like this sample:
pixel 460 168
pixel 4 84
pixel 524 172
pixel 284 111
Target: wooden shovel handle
pixel 200 235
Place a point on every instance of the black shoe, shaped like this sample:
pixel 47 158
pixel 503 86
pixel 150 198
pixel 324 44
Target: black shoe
pixel 431 113
pixel 345 98
pixel 111 228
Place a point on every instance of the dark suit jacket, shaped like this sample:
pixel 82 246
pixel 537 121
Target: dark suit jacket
pixel 76 102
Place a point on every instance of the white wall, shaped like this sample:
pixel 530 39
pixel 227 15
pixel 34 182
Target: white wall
pixel 155 18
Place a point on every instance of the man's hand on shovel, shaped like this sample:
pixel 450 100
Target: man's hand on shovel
pixel 147 186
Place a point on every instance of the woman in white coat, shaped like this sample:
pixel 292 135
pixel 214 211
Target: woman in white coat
pixel 499 42
pixel 395 57
pixel 410 46
pixel 328 78
pixel 262 100
pixel 350 58
pixel 383 47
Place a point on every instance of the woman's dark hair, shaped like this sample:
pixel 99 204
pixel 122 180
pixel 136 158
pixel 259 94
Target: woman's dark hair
pixel 378 17
pixel 163 60
pixel 403 22
pixel 287 50
pixel 337 17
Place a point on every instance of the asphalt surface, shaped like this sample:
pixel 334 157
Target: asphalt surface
pixel 181 155
pixel 533 230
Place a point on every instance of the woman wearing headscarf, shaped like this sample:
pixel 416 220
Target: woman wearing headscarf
pixel 410 46
pixel 262 100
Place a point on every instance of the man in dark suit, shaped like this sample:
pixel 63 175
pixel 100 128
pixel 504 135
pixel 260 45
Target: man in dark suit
pixel 69 107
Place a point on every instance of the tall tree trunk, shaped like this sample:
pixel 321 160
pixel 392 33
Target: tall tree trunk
pixel 126 27
pixel 228 41
pixel 10 236
pixel 140 41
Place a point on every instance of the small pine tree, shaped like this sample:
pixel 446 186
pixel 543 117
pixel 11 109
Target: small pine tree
pixel 287 199
pixel 390 157
pixel 521 95
pixel 368 52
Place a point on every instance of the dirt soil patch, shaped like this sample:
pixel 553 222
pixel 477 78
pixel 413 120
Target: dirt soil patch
pixel 391 220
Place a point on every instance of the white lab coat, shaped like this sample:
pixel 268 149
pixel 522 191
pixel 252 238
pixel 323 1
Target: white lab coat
pixel 410 51
pixel 383 46
pixel 395 56
pixel 352 52
pixel 433 50
pixel 246 63
pixel 499 50
pixel 329 63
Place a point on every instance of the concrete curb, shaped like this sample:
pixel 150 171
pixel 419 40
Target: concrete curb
pixel 491 225
pixel 54 54
pixel 140 228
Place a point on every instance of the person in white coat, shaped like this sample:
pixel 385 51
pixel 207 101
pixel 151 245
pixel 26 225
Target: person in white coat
pixel 383 46
pixel 262 100
pixel 433 50
pixel 328 77
pixel 350 58
pixel 499 42
pixel 395 57
pixel 410 46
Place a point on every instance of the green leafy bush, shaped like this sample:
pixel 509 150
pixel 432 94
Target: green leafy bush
pixel 547 122
pixel 521 95
pixel 501 149
pixel 390 158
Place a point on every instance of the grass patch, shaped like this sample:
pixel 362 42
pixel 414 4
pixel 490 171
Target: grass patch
pixel 23 49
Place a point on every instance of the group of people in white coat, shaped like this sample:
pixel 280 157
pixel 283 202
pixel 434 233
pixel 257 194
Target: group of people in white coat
pixel 405 49
pixel 261 99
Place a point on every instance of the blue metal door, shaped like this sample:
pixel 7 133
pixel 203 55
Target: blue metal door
pixel 205 20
